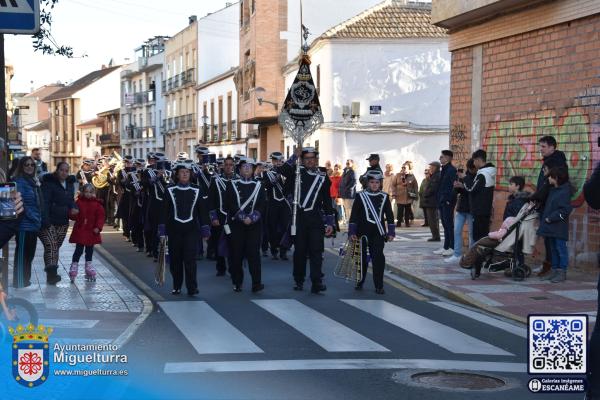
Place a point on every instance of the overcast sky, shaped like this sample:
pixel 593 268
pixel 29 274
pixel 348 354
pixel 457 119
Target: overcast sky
pixel 101 30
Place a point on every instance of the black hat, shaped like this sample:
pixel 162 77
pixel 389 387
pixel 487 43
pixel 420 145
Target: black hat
pixel 306 150
pixel 150 156
pixel 128 158
pixel 374 174
pixel 201 149
pixel 373 156
pixel 448 153
pixel 163 164
pixel 276 155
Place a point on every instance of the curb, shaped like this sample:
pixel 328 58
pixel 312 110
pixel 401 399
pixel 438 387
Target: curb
pixel 453 295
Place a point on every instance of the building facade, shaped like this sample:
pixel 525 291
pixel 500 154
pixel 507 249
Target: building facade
pixel 142 103
pixel 72 105
pixel 179 91
pixel 383 88
pixel 519 72
pixel 218 125
pixel 110 139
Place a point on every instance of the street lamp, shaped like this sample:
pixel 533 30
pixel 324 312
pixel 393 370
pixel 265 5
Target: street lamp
pixel 260 91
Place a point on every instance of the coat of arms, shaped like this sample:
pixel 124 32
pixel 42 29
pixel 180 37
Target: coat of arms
pixel 30 359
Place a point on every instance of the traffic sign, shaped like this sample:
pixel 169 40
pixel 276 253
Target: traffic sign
pixel 19 16
pixel 375 109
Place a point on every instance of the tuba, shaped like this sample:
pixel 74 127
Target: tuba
pixel 100 179
pixel 350 265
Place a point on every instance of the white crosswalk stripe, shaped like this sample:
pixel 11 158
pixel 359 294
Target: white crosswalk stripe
pixel 432 331
pixel 206 330
pixel 327 333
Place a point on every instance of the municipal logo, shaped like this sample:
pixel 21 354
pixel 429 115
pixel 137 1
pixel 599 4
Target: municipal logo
pixel 30 359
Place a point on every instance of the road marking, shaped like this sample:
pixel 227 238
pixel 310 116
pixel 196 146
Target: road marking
pixel 337 364
pixel 435 332
pixel 69 323
pixel 206 330
pixel 496 323
pixel 327 333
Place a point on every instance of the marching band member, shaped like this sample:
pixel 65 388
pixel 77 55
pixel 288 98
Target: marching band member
pixel 153 180
pixel 279 209
pixel 186 215
pixel 102 191
pixel 113 196
pixel 86 173
pixel 147 183
pixel 314 206
pixel 371 211
pixel 135 205
pixel 218 215
pixel 123 208
pixel 244 204
pixel 259 175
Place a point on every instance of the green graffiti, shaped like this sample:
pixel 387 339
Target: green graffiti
pixel 512 146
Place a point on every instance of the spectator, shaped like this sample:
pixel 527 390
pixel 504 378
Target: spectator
pixel 517 198
pixel 591 192
pixel 328 168
pixel 388 178
pixel 463 213
pixel 9 228
pixel 348 187
pixel 430 201
pixel 59 202
pixel 414 195
pixel 481 193
pixel 373 166
pixel 41 167
pixel 405 190
pixel 89 221
pixel 551 157
pixel 554 223
pixel 422 188
pixel 30 224
pixel 334 192
pixel 446 201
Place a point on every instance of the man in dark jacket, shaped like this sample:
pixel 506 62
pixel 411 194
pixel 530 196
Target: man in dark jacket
pixel 481 193
pixel 429 203
pixel 463 212
pixel 446 197
pixel 41 167
pixel 551 157
pixel 348 187
pixel 591 191
pixel 373 166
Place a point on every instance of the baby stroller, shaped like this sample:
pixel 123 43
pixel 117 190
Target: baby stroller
pixel 506 254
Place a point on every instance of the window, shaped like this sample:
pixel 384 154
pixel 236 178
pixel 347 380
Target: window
pixel 205 121
pixel 229 114
pixel 221 133
pixel 253 6
pixel 319 79
pixel 77 135
pixel 212 120
pixel 242 13
pixel 317 146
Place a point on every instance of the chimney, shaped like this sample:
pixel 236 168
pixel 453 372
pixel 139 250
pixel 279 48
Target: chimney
pixel 192 19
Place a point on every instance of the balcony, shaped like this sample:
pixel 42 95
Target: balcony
pixel 110 139
pixel 181 80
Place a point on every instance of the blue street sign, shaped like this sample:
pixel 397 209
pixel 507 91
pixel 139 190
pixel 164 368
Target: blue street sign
pixel 19 16
pixel 375 109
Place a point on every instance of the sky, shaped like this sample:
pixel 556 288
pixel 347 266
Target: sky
pixel 101 30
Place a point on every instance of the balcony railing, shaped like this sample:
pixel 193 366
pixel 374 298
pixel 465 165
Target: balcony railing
pixel 180 80
pixel 109 139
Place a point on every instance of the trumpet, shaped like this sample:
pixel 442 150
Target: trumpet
pixel 350 265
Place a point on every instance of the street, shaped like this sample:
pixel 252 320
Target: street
pixel 296 345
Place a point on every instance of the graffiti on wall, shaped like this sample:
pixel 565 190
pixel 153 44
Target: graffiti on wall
pixel 459 144
pixel 512 146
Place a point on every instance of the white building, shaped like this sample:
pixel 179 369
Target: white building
pixel 142 104
pixel 218 127
pixel 383 79
pixel 70 106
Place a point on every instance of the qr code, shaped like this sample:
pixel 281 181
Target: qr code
pixel 557 344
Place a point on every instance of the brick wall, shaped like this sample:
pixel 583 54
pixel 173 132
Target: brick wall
pixel 460 104
pixel 534 84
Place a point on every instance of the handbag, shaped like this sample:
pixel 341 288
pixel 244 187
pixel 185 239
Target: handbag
pixel 412 195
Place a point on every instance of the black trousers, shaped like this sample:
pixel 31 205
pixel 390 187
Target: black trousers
pixel 278 222
pixel 425 221
pixel 24 253
pixel 102 194
pixel 135 223
pixel 404 213
pixel 264 244
pixel 594 354
pixel 182 254
pixel 123 213
pixel 481 226
pixel 308 243
pixel 244 243
pixel 433 221
pixel 89 253
pixel 213 242
pixel 375 247
pixel 447 216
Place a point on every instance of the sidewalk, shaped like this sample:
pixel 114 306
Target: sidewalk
pixel 98 312
pixel 410 256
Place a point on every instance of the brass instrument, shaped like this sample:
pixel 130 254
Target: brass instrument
pixel 350 265
pixel 83 177
pixel 159 274
pixel 100 178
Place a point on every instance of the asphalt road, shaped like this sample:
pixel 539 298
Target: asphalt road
pixel 282 344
